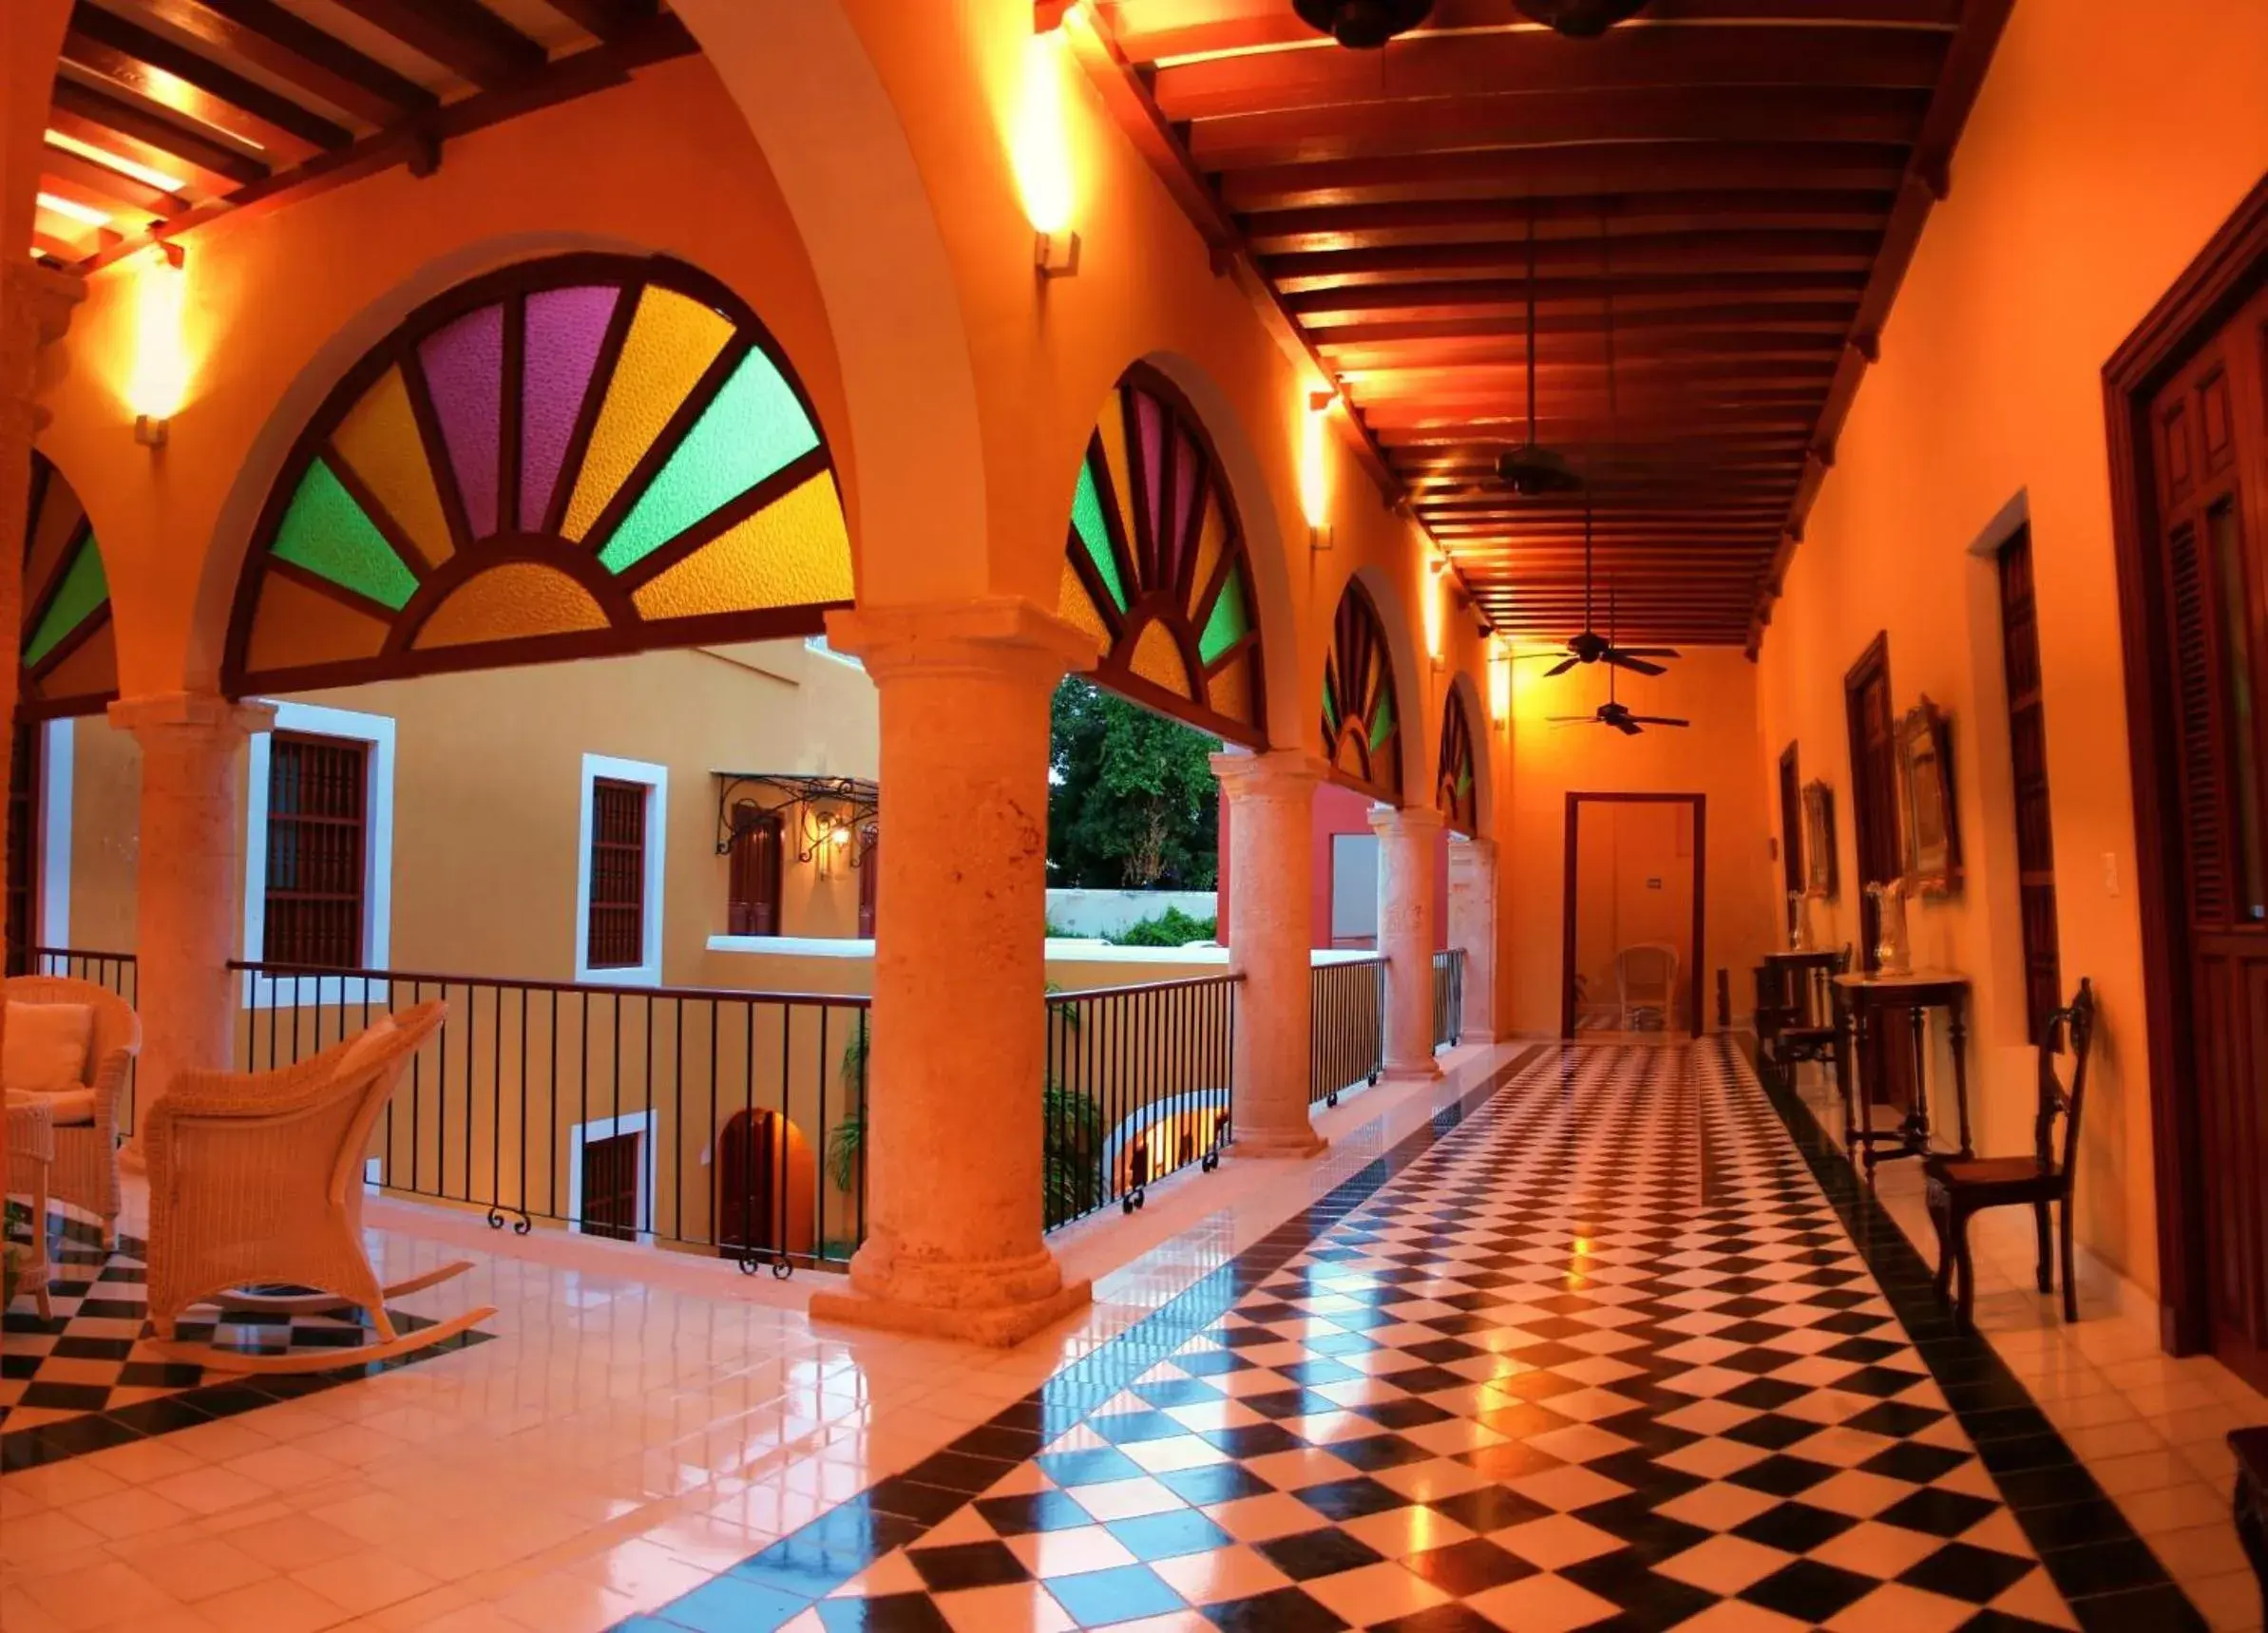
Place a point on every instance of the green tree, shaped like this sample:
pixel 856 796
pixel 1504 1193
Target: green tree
pixel 1133 804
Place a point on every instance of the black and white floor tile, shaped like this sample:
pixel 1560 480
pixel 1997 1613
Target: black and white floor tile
pixel 84 1378
pixel 1595 1351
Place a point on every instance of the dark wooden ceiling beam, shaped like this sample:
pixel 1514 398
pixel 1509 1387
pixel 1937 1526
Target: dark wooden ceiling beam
pixel 1552 119
pixel 1580 171
pixel 1666 255
pixel 1928 176
pixel 1495 220
pixel 161 70
pixel 116 127
pixel 1585 294
pixel 104 186
pixel 294 50
pixel 1429 63
pixel 468 39
pixel 607 19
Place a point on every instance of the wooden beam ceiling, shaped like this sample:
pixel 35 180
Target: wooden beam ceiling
pixel 1729 190
pixel 167 113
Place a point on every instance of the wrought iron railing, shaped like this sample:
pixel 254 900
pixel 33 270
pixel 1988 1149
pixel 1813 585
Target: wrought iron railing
pixel 113 972
pixel 1448 997
pixel 1137 1087
pixel 708 1119
pixel 1346 1033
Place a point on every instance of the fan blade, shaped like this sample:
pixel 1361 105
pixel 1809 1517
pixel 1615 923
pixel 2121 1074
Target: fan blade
pixel 1650 651
pixel 1659 720
pixel 1561 667
pixel 1572 719
pixel 1623 726
pixel 1622 659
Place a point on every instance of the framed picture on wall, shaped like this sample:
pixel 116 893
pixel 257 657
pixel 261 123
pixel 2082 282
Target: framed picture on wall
pixel 1928 826
pixel 1818 841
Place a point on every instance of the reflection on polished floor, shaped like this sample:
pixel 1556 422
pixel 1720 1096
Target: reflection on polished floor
pixel 1576 1340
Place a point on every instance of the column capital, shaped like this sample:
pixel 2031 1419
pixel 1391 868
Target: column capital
pixel 1392 820
pixel 191 714
pixel 984 634
pixel 1276 773
pixel 1471 849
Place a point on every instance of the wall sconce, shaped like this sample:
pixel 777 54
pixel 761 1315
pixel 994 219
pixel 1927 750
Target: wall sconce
pixel 158 378
pixel 1499 683
pixel 1314 482
pixel 1040 150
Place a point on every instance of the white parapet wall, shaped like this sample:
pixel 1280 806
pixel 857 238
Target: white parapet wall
pixel 1083 914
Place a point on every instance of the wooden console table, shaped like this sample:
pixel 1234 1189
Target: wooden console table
pixel 2251 1447
pixel 1862 1003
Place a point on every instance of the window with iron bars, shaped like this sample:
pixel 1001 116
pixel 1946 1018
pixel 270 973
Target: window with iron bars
pixel 318 817
pixel 617 933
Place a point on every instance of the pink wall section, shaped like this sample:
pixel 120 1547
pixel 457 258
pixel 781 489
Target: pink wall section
pixel 1342 810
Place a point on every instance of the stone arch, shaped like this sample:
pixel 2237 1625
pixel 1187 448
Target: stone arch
pixel 572 455
pixel 1157 564
pixel 1462 692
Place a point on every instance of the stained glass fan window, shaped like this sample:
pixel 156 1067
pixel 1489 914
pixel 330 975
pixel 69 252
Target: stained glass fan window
pixel 1454 791
pixel 69 650
pixel 580 455
pixel 1155 567
pixel 1361 731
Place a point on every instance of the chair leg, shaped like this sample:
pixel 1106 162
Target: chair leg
pixel 1965 1267
pixel 2039 1220
pixel 2071 1275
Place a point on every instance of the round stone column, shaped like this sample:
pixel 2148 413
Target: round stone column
pixel 1406 936
pixel 1473 927
pixel 1268 803
pixel 190 883
pixel 953 1125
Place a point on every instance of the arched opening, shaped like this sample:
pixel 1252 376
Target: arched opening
pixel 1362 721
pixel 767 1182
pixel 1457 782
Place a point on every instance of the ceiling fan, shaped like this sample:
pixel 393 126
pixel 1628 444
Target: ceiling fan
pixel 1532 470
pixel 1612 712
pixel 1591 647
pixel 1363 25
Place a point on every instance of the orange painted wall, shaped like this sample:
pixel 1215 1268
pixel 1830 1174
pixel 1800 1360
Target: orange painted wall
pixel 2100 157
pixel 1715 757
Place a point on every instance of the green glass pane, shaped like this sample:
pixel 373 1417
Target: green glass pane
pixel 1228 624
pixel 1330 698
pixel 1465 781
pixel 1086 515
pixel 1383 721
pixel 753 426
pixel 327 533
pixel 83 590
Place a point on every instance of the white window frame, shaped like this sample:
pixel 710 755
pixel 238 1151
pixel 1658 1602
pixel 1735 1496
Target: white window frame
pixel 655 778
pixel 377 731
pixel 52 888
pixel 580 1135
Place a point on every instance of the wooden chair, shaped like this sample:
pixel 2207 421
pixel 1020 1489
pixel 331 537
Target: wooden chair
pixel 1773 1010
pixel 1646 984
pixel 1961 1187
pixel 257 1180
pixel 89 1121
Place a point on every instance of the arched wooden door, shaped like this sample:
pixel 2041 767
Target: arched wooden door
pixel 748 1192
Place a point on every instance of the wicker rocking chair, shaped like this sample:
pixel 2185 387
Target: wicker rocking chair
pixel 257 1180
pixel 88 1120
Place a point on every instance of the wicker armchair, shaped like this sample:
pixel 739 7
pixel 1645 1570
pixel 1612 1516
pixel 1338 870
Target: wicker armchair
pixel 257 1180
pixel 86 1170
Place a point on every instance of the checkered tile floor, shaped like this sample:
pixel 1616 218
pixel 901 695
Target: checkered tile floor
pixel 1603 1356
pixel 89 1362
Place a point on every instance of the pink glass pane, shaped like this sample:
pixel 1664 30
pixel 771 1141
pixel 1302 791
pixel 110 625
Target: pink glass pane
pixel 463 365
pixel 565 328
pixel 1184 493
pixel 1150 424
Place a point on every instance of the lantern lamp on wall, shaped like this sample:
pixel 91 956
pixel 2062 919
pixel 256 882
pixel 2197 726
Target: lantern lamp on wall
pixel 157 375
pixel 1315 498
pixel 1041 148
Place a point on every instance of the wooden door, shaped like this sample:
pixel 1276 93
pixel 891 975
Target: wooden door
pixel 2210 456
pixel 747 1209
pixel 870 881
pixel 610 1169
pixel 2028 758
pixel 1791 834
pixel 1886 1067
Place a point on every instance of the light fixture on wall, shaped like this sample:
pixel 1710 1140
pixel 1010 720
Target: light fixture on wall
pixel 1499 683
pixel 157 377
pixel 1040 148
pixel 1430 605
pixel 1315 498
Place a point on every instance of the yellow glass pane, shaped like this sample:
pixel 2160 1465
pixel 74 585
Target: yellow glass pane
pixel 378 438
pixel 1157 659
pixel 91 669
pixel 793 553
pixel 1212 534
pixel 1230 691
pixel 673 338
pixel 53 528
pixel 511 602
pixel 295 625
pixel 1113 427
pixel 1075 606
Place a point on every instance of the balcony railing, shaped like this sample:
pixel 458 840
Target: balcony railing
pixel 113 972
pixel 699 1118
pixel 1137 1088
pixel 1346 1034
pixel 1448 997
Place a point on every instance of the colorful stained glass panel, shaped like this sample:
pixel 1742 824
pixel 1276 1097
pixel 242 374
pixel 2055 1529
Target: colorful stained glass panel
pixel 464 365
pixel 791 553
pixel 565 329
pixel 327 533
pixel 672 340
pixel 1094 532
pixel 78 597
pixel 378 439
